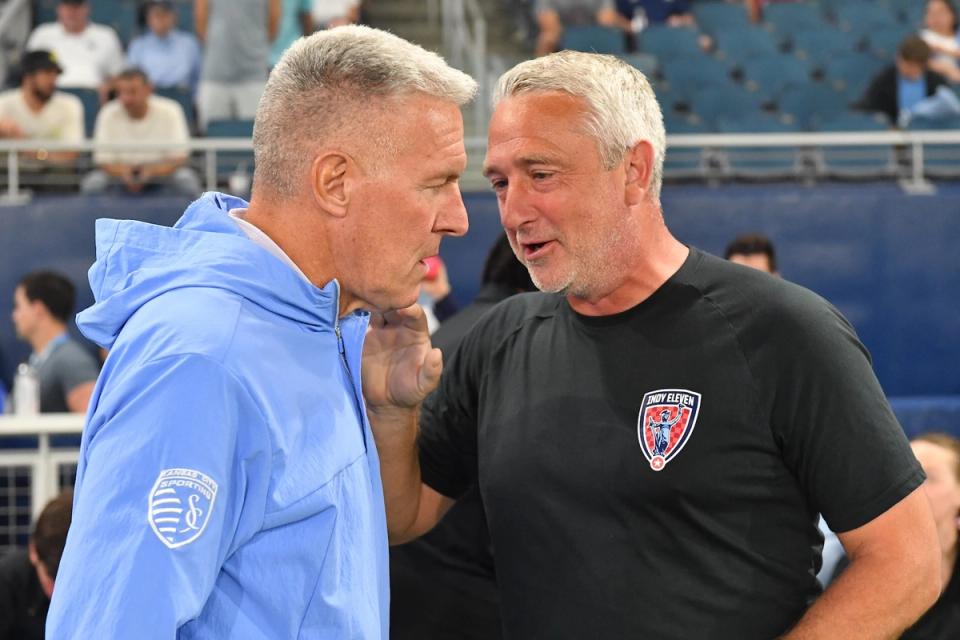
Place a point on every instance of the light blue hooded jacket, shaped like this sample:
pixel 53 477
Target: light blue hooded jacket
pixel 228 485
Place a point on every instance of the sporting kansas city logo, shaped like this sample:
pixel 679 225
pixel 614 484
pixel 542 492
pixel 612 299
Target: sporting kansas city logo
pixel 180 505
pixel 666 422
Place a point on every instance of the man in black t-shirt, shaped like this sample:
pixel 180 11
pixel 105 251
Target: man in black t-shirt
pixel 549 407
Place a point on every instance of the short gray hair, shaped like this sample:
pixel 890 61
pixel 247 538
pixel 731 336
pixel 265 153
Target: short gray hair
pixel 329 86
pixel 623 107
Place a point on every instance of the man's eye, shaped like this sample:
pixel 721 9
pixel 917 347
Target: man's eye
pixel 498 184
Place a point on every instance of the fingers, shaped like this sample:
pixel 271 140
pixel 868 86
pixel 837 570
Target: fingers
pixel 411 317
pixel 429 376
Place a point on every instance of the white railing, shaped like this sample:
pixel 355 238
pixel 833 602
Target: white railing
pixel 44 461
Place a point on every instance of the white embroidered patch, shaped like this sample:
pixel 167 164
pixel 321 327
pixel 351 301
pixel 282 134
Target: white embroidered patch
pixel 181 502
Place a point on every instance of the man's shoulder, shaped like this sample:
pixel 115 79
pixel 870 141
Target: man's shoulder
pixel 64 100
pixel 161 106
pixel 71 353
pixel 516 312
pixel 101 32
pixel 9 96
pixel 45 32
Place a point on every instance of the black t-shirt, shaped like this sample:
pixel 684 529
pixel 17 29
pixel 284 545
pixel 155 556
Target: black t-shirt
pixel 23 604
pixel 942 621
pixel 753 398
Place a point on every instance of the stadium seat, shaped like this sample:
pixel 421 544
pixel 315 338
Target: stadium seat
pixel 819 45
pixel 91 106
pixel 939 160
pixel 119 14
pixel 185 19
pixel 690 73
pixel 864 17
pixel 743 43
pixel 646 63
pixel 45 11
pixel 761 162
pixel 685 162
pixel 184 97
pixel 807 102
pixel 669 42
pixel 883 43
pixel 717 17
pixel 854 161
pixel 850 73
pixel 771 75
pixel 595 39
pixel 229 162
pixel 724 102
pixel 790 17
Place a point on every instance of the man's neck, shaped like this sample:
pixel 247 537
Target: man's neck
pixel 45 335
pixel 32 101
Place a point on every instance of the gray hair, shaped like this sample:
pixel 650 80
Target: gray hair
pixel 330 86
pixel 623 107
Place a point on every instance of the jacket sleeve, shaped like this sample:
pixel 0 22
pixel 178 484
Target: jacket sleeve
pixel 166 490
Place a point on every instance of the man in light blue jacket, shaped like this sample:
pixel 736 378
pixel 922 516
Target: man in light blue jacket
pixel 229 485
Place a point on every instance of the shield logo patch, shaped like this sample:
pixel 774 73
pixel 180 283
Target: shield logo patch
pixel 181 502
pixel 665 424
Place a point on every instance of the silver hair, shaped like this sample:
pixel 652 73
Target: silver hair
pixel 623 109
pixel 330 86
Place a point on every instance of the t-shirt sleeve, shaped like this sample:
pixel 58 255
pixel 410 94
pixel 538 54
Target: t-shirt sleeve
pixel 160 500
pixel 833 422
pixel 76 368
pixel 448 421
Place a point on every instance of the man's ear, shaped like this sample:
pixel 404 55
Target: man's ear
pixel 329 177
pixel 639 172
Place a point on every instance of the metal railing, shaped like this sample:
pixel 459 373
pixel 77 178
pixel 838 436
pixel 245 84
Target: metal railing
pixel 48 468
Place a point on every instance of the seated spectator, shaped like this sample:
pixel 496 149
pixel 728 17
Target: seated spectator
pixel 138 115
pixel 899 88
pixel 674 13
pixel 328 14
pixel 553 15
pixel 170 57
pixel 939 455
pixel 236 35
pixel 28 577
pixel 940 33
pixel 753 250
pixel 42 303
pixel 89 53
pixel 296 19
pixel 38 111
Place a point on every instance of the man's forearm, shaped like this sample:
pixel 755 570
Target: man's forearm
pixel 875 598
pixel 395 431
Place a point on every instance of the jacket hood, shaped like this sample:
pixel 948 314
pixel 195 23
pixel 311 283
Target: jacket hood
pixel 137 262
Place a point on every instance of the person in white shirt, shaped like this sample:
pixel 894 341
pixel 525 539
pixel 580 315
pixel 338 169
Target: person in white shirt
pixel 940 32
pixel 138 115
pixel 328 14
pixel 38 111
pixel 89 53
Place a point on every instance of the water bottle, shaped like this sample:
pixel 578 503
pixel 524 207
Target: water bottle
pixel 26 391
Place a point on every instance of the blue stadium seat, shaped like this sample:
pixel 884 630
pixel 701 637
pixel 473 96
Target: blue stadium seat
pixel 850 73
pixel 185 17
pixel 854 161
pixel 646 63
pixel 230 161
pixel 771 75
pixel 685 162
pixel 724 102
pixel 119 14
pixel 939 160
pixel 716 17
pixel 883 43
pixel 805 103
pixel 91 106
pixel 864 17
pixel 761 162
pixel 184 97
pixel 743 43
pixel 669 42
pixel 45 11
pixel 790 17
pixel 594 38
pixel 690 73
pixel 819 45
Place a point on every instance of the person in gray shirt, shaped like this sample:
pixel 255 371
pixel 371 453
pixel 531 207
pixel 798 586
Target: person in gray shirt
pixel 42 303
pixel 236 35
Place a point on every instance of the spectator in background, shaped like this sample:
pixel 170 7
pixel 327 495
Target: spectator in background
pixel 328 14
pixel 553 15
pixel 674 13
pixel 39 112
pixel 753 250
pixel 940 33
pixel 42 304
pixel 295 20
pixel 138 115
pixel 236 35
pixel 899 88
pixel 90 53
pixel 27 576
pixel 452 566
pixel 170 57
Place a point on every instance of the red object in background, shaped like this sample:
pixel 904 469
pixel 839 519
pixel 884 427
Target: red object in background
pixel 433 267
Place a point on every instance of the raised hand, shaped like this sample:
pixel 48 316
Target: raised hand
pixel 400 367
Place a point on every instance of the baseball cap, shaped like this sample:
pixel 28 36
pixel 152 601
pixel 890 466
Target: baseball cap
pixel 40 60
